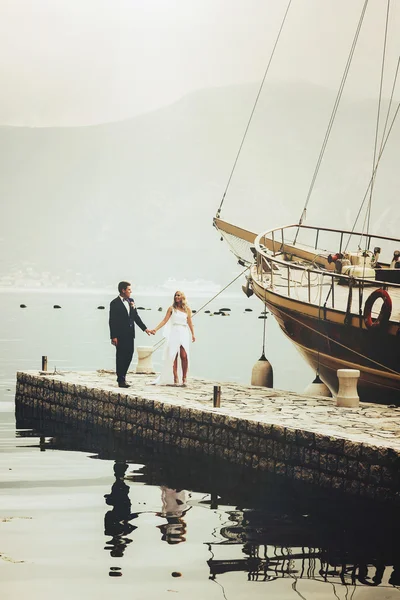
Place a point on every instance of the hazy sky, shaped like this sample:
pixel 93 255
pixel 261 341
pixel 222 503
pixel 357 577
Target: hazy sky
pixel 77 62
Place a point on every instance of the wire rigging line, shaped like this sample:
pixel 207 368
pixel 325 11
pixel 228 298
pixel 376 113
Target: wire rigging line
pixel 333 114
pixel 254 108
pixel 368 215
pixel 383 143
pixel 367 220
pixel 223 289
pixel 333 341
pixel 264 324
pixel 390 103
pixel 264 331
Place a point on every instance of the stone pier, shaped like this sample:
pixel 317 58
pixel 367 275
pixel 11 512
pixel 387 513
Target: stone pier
pixel 352 450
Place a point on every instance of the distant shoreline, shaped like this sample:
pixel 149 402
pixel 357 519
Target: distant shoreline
pixel 112 292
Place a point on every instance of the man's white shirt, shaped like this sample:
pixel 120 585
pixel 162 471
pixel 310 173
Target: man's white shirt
pixel 126 304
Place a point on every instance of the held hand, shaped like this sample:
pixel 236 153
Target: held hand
pixel 114 341
pixel 149 331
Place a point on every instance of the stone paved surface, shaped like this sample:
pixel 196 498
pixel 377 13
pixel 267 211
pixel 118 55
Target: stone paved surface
pixel 373 424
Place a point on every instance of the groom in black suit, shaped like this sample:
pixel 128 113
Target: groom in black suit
pixel 123 316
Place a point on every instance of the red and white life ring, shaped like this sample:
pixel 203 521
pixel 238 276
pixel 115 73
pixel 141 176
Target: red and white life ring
pixel 386 309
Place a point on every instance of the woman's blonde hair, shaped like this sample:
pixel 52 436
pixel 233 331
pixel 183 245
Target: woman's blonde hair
pixel 184 303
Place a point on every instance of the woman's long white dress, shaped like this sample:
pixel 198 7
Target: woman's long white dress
pixel 174 502
pixel 176 333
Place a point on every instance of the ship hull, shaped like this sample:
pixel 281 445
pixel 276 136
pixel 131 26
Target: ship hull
pixel 331 316
pixel 328 344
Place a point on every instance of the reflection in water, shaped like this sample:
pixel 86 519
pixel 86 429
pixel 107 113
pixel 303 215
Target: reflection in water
pixel 174 508
pixel 256 531
pixel 117 521
pixel 275 529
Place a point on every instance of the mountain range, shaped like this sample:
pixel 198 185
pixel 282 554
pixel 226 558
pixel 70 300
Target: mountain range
pixel 88 206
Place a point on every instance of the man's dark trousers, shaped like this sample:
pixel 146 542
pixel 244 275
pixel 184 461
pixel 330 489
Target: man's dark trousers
pixel 125 350
pixel 122 327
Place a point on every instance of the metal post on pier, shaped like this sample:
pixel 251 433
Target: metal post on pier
pixel 217 396
pixel 44 363
pixel 214 501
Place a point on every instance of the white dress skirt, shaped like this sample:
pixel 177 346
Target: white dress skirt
pixel 176 333
pixel 174 502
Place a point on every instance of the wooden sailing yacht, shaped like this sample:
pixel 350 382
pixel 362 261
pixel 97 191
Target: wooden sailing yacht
pixel 334 293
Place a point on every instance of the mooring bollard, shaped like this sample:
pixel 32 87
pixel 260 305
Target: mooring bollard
pixel 145 356
pixel 347 394
pixel 217 396
pixel 214 501
pixel 44 363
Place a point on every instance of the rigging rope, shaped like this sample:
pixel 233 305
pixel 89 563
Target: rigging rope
pixel 265 313
pixel 368 215
pixel 377 164
pixel 382 146
pixel 254 108
pixel 384 367
pixel 264 331
pixel 367 220
pixel 319 321
pixel 390 103
pixel 223 289
pixel 333 115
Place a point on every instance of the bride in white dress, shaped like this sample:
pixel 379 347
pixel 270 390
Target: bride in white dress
pixel 178 327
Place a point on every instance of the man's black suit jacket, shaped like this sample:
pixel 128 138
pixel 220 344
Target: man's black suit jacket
pixel 122 325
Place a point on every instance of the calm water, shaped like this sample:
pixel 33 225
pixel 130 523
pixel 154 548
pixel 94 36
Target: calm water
pixel 88 516
pixel 77 337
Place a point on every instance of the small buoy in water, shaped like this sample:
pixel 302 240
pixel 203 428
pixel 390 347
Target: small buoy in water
pixel 248 310
pixel 22 305
pixel 159 308
pixel 224 309
pixel 217 312
pixel 317 388
pixel 56 306
pixel 206 312
pixel 262 316
pixel 141 308
pixel 262 373
pixel 100 307
pixel 176 574
pixel 194 311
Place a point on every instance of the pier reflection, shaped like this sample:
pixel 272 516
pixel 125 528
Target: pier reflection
pixel 270 529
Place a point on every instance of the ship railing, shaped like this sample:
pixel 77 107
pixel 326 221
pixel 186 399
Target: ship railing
pixel 339 238
pixel 275 251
